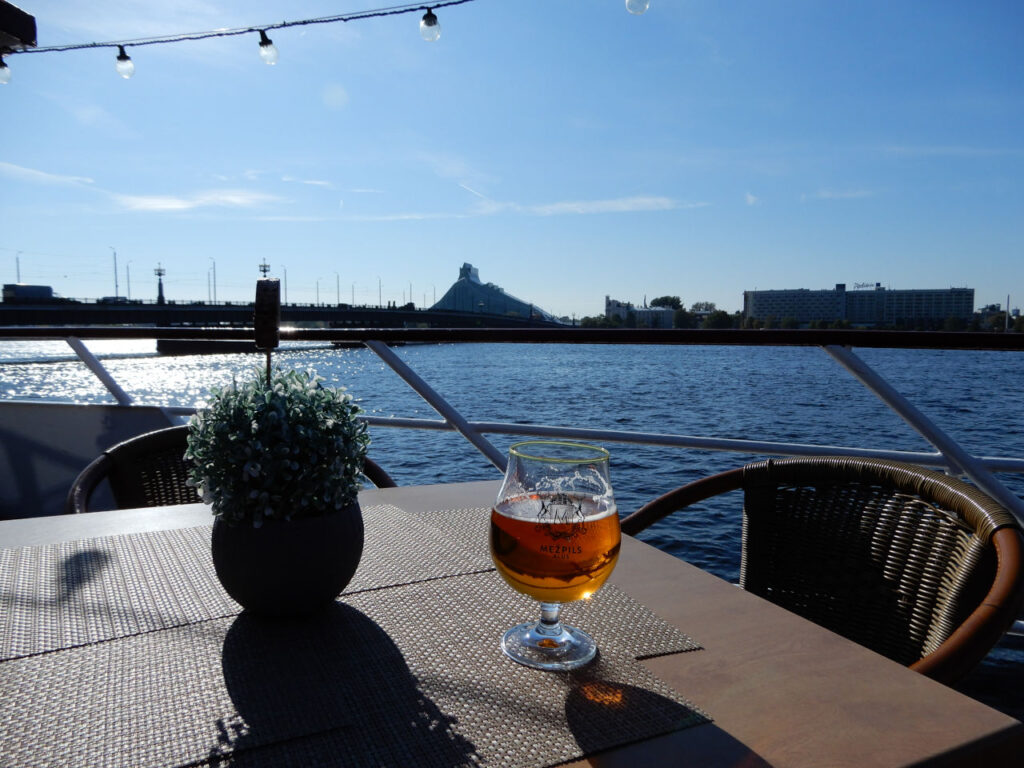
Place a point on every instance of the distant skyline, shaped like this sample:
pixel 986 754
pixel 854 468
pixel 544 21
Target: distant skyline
pixel 568 150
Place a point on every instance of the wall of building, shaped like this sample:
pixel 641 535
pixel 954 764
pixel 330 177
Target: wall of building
pixel 646 317
pixel 860 307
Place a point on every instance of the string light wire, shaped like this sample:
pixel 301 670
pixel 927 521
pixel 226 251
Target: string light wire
pixel 256 29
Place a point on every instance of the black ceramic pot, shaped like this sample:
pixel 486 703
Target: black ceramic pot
pixel 288 568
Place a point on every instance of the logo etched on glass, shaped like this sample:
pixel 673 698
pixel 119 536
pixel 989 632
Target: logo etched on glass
pixel 561 517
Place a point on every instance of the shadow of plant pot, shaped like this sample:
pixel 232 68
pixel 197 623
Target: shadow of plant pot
pixel 327 688
pixel 288 568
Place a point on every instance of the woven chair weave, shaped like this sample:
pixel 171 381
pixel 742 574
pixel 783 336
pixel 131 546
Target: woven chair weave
pixel 883 568
pixel 151 478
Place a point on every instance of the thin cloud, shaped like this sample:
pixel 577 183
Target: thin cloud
pixel 487 207
pixel 410 216
pixel 752 199
pixel 98 119
pixel 335 97
pixel 839 194
pixel 227 198
pixel 954 151
pixel 453 167
pixel 309 182
pixel 295 219
pixel 32 176
pixel 615 205
pixel 138 19
pixel 473 191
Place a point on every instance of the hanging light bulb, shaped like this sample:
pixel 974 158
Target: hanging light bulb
pixel 268 51
pixel 5 72
pixel 637 6
pixel 124 64
pixel 430 30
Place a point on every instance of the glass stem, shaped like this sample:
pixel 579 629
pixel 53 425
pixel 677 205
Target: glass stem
pixel 549 622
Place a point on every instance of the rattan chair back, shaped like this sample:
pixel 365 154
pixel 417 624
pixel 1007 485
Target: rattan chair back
pixel 913 564
pixel 151 471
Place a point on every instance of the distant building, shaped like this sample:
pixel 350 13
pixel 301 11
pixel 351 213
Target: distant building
pixel 646 317
pixel 468 294
pixel 877 306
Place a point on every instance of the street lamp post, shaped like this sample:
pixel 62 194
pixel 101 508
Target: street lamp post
pixel 128 278
pixel 115 270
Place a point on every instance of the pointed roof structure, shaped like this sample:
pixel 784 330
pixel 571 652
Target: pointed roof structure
pixel 469 294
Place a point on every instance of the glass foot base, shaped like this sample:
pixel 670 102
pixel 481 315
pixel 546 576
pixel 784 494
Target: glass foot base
pixel 552 647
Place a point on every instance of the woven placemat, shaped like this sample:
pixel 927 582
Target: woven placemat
pixel 79 592
pixel 408 675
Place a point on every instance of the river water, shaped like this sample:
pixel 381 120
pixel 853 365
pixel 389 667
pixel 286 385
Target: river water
pixel 790 394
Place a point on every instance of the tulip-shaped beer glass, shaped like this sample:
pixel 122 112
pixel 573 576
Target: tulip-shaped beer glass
pixel 555 537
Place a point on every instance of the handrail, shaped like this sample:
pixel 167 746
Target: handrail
pixel 961 340
pixel 724 444
pixel 950 455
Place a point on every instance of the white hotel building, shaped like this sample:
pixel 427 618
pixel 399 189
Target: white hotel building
pixel 873 306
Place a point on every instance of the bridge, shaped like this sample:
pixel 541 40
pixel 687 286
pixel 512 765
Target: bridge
pixel 240 314
pixel 469 303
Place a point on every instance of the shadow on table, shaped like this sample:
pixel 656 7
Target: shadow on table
pixel 597 706
pixel 79 569
pixel 332 686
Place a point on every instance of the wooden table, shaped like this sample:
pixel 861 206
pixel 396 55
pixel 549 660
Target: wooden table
pixel 780 690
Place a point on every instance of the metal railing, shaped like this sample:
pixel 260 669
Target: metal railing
pixel 948 456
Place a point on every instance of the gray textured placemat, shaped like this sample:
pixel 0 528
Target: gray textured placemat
pixel 86 591
pixel 365 683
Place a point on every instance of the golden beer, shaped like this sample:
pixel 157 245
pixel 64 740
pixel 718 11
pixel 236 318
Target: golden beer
pixel 558 557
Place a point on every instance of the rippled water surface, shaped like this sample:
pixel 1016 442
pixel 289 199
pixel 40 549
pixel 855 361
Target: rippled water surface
pixel 785 394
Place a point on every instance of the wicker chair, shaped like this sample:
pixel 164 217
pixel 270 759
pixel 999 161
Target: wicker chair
pixel 150 471
pixel 915 565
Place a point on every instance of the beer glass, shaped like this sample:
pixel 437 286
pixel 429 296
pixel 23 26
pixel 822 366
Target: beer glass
pixel 554 537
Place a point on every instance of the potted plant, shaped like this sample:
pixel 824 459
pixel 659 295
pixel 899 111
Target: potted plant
pixel 279 457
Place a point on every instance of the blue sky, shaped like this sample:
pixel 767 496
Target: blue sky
pixel 567 149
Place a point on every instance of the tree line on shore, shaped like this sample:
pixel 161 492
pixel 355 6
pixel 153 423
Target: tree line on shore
pixel 704 314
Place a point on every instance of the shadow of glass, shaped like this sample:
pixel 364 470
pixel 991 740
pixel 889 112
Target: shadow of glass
pixel 79 569
pixel 597 707
pixel 332 685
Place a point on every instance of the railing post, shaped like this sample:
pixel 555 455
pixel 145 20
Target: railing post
pixel 438 403
pixel 101 373
pixel 959 460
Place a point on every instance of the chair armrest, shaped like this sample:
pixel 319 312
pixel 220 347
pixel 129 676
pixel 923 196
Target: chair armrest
pixel 973 639
pixel 376 475
pixel 681 497
pixel 77 501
